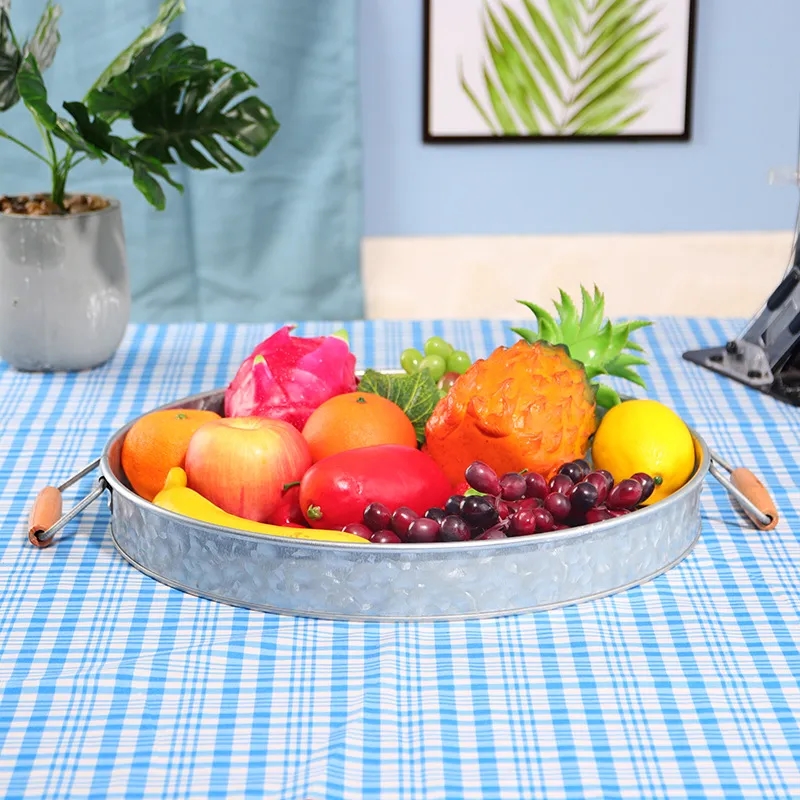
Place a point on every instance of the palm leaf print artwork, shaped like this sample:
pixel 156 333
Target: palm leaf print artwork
pixel 565 67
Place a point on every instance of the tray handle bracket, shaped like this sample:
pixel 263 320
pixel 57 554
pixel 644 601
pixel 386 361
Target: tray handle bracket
pixel 47 517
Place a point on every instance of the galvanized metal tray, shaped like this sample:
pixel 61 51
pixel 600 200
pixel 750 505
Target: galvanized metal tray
pixel 386 582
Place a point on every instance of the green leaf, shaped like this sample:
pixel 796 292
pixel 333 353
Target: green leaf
pixel 606 101
pixel 527 334
pixel 621 125
pixel 10 60
pixel 547 36
pixel 592 310
pixel 612 22
pixel 618 54
pixel 517 80
pixel 473 99
pixel 596 347
pixel 595 6
pixel 628 375
pixel 416 394
pixel 529 78
pixel 603 115
pixel 42 46
pixel 30 85
pixel 625 360
pixel 512 88
pixel 180 101
pixel 548 328
pixel 619 338
pixel 565 14
pixel 45 40
pixel 617 57
pixel 97 132
pixel 635 325
pixel 638 324
pixel 168 12
pixel 591 350
pixel 507 124
pixel 568 317
pixel 592 371
pixel 31 88
pixel 603 97
pixel 605 396
pixel 597 344
pixel 533 53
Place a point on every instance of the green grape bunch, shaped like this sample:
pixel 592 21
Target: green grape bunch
pixel 440 359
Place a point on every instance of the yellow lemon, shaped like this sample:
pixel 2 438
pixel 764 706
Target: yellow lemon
pixel 645 436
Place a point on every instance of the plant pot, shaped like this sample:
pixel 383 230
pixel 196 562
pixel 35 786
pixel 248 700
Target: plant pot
pixel 64 293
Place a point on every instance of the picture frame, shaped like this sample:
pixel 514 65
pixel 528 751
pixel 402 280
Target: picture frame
pixel 500 71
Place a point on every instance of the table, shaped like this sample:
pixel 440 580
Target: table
pixel 116 686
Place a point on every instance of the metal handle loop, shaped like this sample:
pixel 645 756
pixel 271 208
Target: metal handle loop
pixel 753 511
pixel 46 518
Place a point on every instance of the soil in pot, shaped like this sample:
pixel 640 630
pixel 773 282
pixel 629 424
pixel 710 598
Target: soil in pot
pixel 40 205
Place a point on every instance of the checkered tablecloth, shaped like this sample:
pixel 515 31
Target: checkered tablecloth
pixel 113 685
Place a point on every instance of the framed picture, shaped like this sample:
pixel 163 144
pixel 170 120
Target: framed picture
pixel 557 70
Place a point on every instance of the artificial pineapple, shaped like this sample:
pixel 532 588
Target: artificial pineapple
pixel 533 405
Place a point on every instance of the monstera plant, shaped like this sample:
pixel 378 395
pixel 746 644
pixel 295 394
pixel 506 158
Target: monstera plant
pixel 178 100
pixel 162 100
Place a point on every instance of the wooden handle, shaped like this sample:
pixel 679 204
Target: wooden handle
pixel 755 491
pixel 45 513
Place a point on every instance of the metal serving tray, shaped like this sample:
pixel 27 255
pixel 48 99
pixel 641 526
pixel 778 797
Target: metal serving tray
pixel 391 582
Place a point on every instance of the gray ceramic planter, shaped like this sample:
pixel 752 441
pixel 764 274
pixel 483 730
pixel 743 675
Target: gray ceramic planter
pixel 64 293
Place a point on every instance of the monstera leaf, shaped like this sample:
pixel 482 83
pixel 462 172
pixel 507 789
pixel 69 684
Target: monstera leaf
pixel 92 137
pixel 41 46
pixel 565 67
pixel 181 101
pixel 168 12
pixel 30 85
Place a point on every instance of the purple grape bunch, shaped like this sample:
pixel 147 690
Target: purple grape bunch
pixel 510 505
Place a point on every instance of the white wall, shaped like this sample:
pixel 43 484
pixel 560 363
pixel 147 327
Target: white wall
pixel 702 274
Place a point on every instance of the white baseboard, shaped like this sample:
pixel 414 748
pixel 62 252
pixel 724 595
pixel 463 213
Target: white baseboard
pixel 698 274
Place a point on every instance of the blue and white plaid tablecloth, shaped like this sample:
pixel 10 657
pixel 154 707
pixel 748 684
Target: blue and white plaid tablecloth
pixel 113 685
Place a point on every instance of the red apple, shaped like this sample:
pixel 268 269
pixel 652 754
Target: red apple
pixel 241 464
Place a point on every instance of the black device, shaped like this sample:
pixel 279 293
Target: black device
pixel 766 354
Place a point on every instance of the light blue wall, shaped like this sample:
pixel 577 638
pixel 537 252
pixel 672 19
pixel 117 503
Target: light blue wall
pixel 746 119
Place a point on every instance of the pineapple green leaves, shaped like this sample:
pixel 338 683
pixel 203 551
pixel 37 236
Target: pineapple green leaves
pixel 602 347
pixel 565 67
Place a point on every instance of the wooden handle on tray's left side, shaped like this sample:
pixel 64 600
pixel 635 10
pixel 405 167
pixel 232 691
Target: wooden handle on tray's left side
pixel 755 491
pixel 45 513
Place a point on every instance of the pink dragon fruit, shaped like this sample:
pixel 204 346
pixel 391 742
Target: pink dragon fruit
pixel 287 377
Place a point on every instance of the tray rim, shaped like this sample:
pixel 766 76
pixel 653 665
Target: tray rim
pixel 428 618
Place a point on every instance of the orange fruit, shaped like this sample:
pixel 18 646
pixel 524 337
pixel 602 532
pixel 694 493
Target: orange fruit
pixel 356 419
pixel 156 443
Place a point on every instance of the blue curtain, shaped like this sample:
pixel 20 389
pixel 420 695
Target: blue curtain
pixel 279 241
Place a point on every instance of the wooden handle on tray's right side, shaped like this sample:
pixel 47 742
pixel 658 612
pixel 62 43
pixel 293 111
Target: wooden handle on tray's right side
pixel 755 491
pixel 45 513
